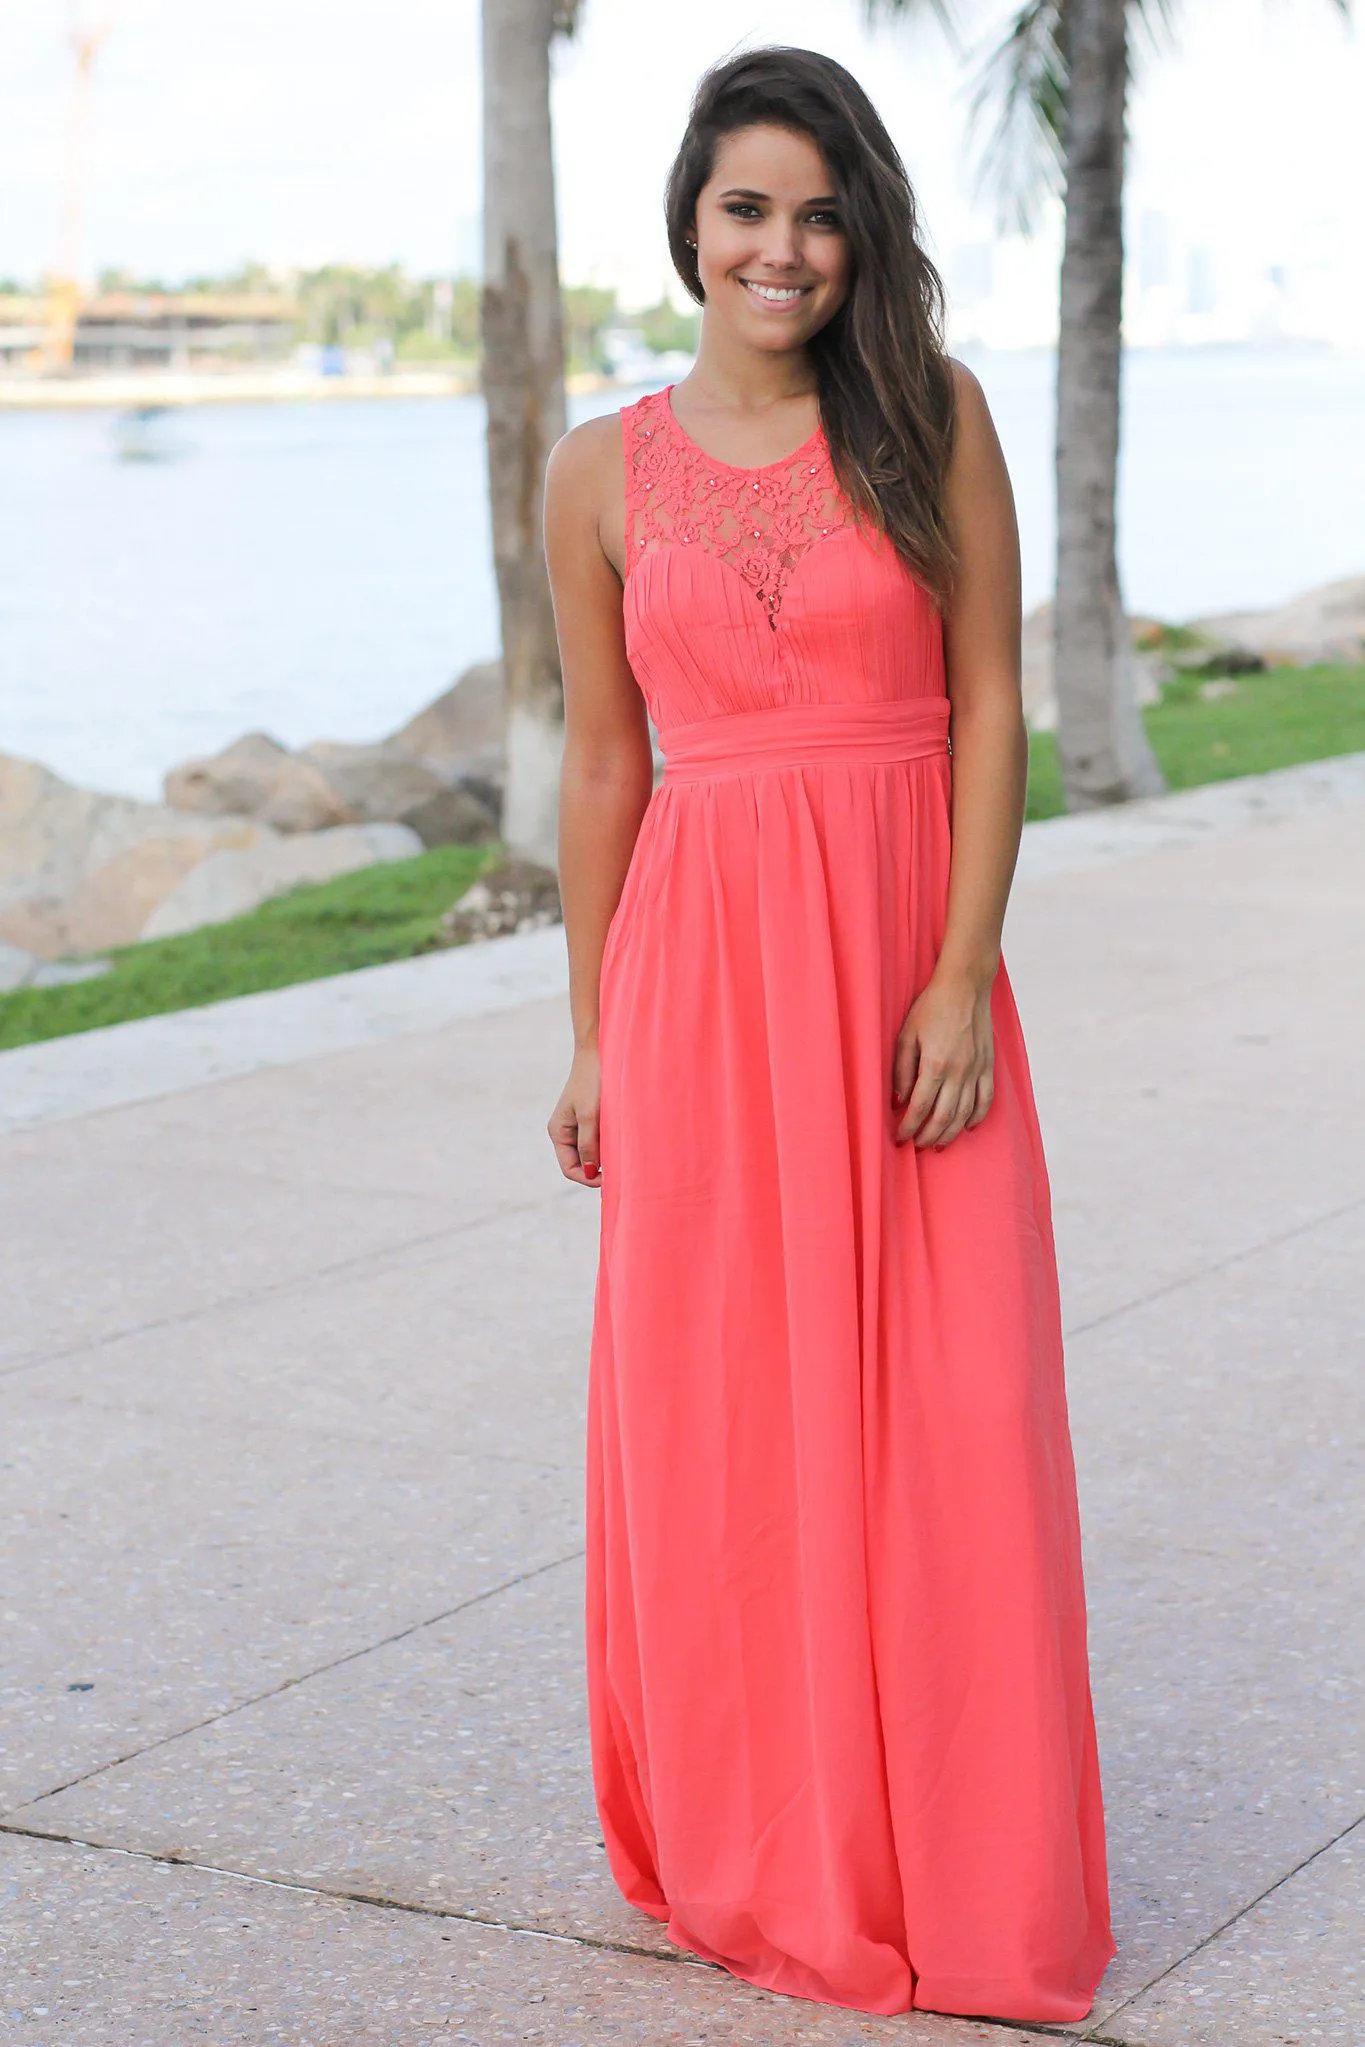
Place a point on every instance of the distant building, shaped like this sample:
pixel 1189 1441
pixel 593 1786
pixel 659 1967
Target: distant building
pixel 157 330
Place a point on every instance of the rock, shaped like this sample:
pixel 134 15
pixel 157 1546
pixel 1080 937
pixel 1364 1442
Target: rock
pixel 228 884
pixel 16 968
pixel 378 784
pixel 257 777
pixel 466 812
pixel 466 723
pixel 20 969
pixel 516 895
pixel 61 973
pixel 441 773
pixel 1323 624
pixel 81 871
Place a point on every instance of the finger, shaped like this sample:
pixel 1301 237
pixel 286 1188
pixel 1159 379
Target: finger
pixel 925 1095
pixel 944 1118
pixel 563 1134
pixel 904 1071
pixel 958 1121
pixel 923 1102
pixel 589 1150
pixel 985 1095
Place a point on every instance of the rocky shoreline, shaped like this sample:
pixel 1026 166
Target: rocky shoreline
pixel 82 872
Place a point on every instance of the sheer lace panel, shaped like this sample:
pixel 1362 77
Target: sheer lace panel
pixel 760 521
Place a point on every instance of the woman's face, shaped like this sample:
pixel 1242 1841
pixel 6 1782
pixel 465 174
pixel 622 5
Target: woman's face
pixel 771 249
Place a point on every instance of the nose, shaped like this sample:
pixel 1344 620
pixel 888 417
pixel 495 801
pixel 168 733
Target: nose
pixel 781 245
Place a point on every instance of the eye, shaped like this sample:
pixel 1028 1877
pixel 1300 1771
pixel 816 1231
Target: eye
pixel 824 217
pixel 742 209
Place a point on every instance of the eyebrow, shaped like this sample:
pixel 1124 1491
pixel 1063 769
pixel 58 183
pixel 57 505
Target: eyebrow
pixel 740 192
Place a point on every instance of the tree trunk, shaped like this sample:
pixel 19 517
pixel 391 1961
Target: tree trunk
pixel 523 383
pixel 1105 754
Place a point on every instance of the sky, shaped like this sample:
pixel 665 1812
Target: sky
pixel 301 131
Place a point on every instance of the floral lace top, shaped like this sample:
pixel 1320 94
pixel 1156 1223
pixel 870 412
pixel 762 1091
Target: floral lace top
pixel 760 521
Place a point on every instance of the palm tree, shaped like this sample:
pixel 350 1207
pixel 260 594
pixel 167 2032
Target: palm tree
pixel 1058 81
pixel 1101 740
pixel 523 384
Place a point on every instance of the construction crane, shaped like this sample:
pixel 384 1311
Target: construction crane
pixel 64 285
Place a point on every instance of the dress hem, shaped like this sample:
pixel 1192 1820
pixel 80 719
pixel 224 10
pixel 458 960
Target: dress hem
pixel 947 1996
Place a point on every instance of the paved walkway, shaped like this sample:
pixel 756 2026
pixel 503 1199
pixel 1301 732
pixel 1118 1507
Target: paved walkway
pixel 294 1362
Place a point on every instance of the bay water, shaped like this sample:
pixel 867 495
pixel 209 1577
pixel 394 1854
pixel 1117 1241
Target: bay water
pixel 321 570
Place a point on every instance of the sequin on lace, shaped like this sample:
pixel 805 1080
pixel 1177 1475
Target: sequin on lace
pixel 760 521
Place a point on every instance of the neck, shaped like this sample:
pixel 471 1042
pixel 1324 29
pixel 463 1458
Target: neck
pixel 730 375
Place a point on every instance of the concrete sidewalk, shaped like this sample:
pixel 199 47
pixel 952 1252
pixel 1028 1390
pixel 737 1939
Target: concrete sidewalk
pixel 294 1361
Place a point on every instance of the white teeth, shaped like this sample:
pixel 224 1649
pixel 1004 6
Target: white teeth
pixel 779 292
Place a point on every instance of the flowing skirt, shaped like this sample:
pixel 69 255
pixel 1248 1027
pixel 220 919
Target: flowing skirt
pixel 842 1739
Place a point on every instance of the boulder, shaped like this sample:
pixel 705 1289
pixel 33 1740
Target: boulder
pixel 467 723
pixel 1323 624
pixel 81 871
pixel 19 969
pixel 16 968
pixel 228 884
pixel 516 895
pixel 441 773
pixel 257 777
pixel 378 784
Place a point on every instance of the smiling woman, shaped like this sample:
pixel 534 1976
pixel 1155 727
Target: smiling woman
pixel 825 248
pixel 842 1738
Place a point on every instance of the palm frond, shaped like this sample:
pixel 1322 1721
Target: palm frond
pixel 942 10
pixel 1157 20
pixel 1023 83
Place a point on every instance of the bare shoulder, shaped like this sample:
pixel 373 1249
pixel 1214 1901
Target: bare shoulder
pixel 586 456
pixel 977 465
pixel 975 427
pixel 585 491
pixel 967 383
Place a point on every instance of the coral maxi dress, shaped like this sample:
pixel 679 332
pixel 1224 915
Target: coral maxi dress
pixel 841 1728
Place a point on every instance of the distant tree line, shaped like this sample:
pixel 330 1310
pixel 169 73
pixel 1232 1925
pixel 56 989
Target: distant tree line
pixel 423 319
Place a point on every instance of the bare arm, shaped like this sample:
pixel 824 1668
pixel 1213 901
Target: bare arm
pixel 982 646
pixel 944 1059
pixel 608 771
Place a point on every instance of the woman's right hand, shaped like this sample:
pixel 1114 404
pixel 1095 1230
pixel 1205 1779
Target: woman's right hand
pixel 573 1126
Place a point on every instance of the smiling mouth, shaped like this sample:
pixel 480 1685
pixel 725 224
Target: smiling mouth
pixel 777 294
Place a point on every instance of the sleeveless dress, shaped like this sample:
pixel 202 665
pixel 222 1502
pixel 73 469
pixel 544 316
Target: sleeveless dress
pixel 841 1731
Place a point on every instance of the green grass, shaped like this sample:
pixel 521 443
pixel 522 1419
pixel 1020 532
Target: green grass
pixel 391 911
pixel 381 913
pixel 1274 720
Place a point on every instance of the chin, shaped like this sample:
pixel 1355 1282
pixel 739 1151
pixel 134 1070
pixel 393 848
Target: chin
pixel 779 344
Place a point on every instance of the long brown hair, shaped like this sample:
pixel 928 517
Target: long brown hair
pixel 885 383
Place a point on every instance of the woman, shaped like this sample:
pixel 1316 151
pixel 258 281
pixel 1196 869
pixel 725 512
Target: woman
pixel 841 1726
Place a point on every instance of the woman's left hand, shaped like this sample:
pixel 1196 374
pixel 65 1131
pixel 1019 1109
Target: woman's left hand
pixel 944 1061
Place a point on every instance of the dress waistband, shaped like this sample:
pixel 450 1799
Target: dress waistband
pixel 794 735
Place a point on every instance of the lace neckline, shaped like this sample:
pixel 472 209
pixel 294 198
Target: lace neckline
pixel 759 522
pixel 811 441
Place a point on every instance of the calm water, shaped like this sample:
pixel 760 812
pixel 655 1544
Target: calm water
pixel 321 571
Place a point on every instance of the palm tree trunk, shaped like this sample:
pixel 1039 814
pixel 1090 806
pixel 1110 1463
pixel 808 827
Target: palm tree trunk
pixel 523 383
pixel 1105 754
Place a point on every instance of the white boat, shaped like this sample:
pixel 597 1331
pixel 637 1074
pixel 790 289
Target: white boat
pixel 144 434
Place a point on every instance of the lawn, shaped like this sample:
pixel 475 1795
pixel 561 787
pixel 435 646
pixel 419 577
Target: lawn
pixel 389 912
pixel 381 913
pixel 1273 720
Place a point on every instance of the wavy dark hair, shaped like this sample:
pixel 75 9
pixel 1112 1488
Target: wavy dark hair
pixel 884 380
